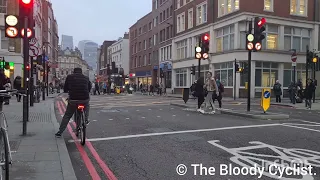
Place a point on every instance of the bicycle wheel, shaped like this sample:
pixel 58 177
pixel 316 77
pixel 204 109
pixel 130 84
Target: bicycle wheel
pixel 82 129
pixel 4 155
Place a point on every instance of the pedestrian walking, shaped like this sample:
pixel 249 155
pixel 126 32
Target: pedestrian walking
pixel 277 91
pixel 219 95
pixel 308 93
pixel 199 93
pixel 17 85
pixel 212 88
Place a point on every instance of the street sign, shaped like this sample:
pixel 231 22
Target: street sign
pixel 265 99
pixel 294 57
pixel 12 32
pixel 33 51
pixel 294 64
pixel 33 41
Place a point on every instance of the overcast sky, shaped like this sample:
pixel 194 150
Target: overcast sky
pixel 98 20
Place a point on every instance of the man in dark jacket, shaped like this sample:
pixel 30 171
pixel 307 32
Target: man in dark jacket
pixel 78 86
pixel 17 85
pixel 308 93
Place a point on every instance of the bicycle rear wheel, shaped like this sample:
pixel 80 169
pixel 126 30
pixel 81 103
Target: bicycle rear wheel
pixel 4 155
pixel 82 129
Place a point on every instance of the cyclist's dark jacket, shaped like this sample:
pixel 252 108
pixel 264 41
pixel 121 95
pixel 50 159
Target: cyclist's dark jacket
pixel 78 86
pixel 3 80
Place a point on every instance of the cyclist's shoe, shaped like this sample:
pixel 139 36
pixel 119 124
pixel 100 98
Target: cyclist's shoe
pixel 58 135
pixel 87 122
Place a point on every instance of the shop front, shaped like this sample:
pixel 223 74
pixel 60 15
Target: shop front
pixel 144 77
pixel 167 70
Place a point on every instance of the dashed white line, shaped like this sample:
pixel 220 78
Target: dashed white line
pixel 160 109
pixel 158 116
pixel 143 117
pixel 127 118
pixel 173 115
pixel 149 109
pixel 173 108
pixel 110 119
pixel 137 110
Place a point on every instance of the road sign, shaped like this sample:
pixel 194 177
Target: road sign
pixel 294 57
pixel 29 32
pixel 33 41
pixel 33 51
pixel 12 32
pixel 265 99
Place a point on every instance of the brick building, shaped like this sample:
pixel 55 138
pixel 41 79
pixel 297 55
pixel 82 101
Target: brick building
pixel 290 25
pixel 103 58
pixel 143 60
pixel 162 12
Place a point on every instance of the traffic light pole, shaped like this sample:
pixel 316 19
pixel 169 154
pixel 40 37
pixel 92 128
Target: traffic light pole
pixel 235 80
pixel 249 71
pixel 47 79
pixel 31 85
pixel 199 61
pixel 44 75
pixel 25 111
pixel 314 78
pixel 307 69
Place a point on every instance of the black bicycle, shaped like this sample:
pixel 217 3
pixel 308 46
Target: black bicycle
pixel 79 118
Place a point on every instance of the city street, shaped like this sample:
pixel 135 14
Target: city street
pixel 143 137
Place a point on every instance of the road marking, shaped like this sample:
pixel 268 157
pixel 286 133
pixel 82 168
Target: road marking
pixel 179 132
pixel 160 109
pixel 301 128
pixel 110 119
pixel 173 108
pixel 127 118
pixel 297 124
pixel 149 109
pixel 309 122
pixel 94 120
pixel 137 110
pixel 158 116
pixel 173 115
pixel 143 117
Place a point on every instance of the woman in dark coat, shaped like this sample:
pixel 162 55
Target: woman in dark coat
pixel 199 92
pixel 308 93
pixel 17 85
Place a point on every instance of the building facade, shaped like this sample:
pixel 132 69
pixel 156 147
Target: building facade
pixel 104 58
pixel 66 42
pixel 68 60
pixel 143 62
pixel 120 53
pixel 89 52
pixel 290 25
pixel 162 11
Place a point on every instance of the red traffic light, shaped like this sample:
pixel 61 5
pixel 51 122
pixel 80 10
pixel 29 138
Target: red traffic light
pixel 27 67
pixel 26 1
pixel 261 22
pixel 206 37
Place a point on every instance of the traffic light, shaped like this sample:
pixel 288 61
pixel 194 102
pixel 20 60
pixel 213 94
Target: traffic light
pixel 250 42
pixel 193 70
pixel 26 10
pixel 12 26
pixel 315 59
pixel 258 32
pixel 310 57
pixel 205 46
pixel 11 65
pixel 198 51
pixel 28 67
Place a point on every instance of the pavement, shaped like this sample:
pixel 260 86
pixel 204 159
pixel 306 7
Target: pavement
pixel 38 155
pixel 143 137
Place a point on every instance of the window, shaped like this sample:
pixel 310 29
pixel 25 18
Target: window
pixel 178 4
pixel 181 77
pixel 190 18
pixel 149 59
pixel 271 40
pixel 268 5
pixel 204 69
pixel 150 42
pixel 182 49
pixel 155 4
pixel 3 6
pixel 150 26
pixel 224 72
pixel 181 22
pixel 145 60
pixel 288 73
pixel 201 13
pixel 298 7
pixel 227 6
pixel 225 39
pixel 4 40
pixel 266 74
pixel 145 44
pixel 296 38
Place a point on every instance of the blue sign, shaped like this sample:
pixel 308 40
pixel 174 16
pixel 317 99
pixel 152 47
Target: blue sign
pixel 267 94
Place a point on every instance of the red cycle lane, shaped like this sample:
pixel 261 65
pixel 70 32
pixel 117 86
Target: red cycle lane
pixel 88 163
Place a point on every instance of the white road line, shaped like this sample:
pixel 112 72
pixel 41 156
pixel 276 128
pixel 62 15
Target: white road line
pixel 179 132
pixel 127 118
pixel 110 119
pixel 149 109
pixel 173 115
pixel 315 130
pixel 158 116
pixel 297 124
pixel 310 122
pixel 143 117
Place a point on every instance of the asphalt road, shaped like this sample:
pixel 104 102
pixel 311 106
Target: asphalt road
pixel 142 137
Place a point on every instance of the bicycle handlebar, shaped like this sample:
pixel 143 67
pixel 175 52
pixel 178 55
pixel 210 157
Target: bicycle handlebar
pixel 13 91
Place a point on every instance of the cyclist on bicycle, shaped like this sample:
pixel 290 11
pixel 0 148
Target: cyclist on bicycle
pixel 78 86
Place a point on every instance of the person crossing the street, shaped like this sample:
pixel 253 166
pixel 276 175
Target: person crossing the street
pixel 212 88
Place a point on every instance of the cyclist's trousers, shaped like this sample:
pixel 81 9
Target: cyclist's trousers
pixel 71 108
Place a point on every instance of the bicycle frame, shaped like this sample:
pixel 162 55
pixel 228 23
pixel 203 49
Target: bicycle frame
pixel 79 111
pixel 4 125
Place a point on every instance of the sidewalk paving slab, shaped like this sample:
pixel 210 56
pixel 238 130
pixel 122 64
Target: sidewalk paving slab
pixel 38 155
pixel 251 114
